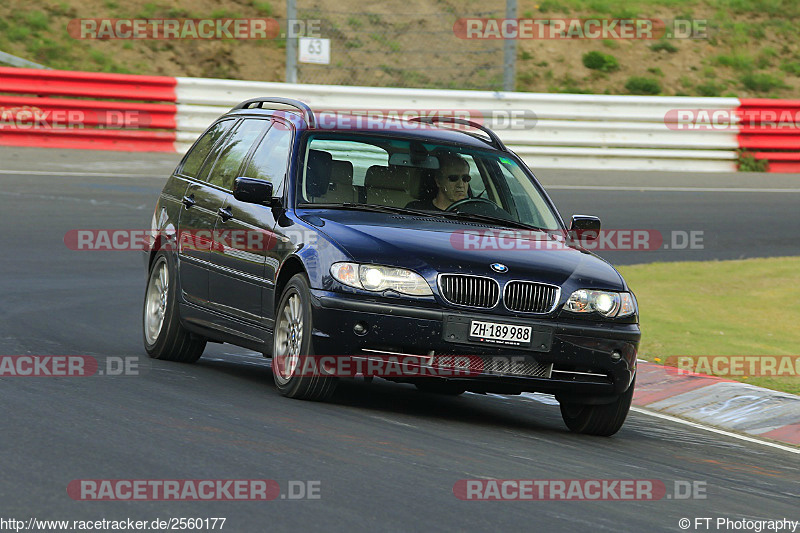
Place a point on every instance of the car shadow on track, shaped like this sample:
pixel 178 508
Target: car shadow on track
pixel 384 398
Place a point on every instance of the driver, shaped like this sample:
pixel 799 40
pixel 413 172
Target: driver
pixel 452 184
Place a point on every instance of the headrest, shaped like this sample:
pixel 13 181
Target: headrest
pixel 318 172
pixel 393 178
pixel 418 186
pixel 342 172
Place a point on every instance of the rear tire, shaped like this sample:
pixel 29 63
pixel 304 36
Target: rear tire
pixel 293 343
pixel 602 420
pixel 165 337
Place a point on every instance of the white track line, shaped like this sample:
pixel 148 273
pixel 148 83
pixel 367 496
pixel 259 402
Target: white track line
pixel 715 430
pixel 684 422
pixel 665 189
pixel 81 174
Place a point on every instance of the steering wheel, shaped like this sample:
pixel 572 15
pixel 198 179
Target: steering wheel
pixel 480 205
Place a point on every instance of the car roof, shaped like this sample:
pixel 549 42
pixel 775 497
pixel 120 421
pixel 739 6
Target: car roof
pixel 332 122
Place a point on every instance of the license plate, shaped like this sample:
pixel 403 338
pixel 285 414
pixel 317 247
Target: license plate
pixel 497 333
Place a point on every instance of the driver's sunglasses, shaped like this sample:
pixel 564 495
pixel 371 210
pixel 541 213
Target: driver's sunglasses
pixel 463 177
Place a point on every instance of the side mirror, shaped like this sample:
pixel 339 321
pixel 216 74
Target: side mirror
pixel 254 191
pixel 584 227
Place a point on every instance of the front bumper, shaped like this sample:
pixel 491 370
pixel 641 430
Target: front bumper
pixel 592 362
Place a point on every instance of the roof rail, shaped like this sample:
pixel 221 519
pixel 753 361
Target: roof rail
pixel 495 140
pixel 305 111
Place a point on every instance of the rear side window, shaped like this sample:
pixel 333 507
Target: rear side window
pixel 271 158
pixel 234 151
pixel 198 153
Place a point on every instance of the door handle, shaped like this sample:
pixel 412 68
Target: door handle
pixel 188 201
pixel 225 213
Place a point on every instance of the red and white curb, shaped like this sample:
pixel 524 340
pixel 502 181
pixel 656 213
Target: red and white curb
pixel 730 405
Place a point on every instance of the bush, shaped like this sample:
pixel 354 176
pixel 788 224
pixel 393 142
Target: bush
pixel 710 88
pixel 18 33
pixel 37 20
pixel 600 61
pixel 664 45
pixel 526 78
pixel 642 85
pixel 735 61
pixel 762 82
pixel 791 67
pixel 766 56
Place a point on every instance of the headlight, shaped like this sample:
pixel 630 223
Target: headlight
pixel 608 304
pixel 378 278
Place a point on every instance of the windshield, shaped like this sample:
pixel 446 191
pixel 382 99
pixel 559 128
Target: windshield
pixel 395 173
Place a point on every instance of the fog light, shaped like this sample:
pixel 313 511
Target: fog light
pixel 360 329
pixel 616 356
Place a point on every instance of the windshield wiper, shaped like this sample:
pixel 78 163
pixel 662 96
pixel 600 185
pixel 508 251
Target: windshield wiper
pixel 368 207
pixel 489 219
pixel 429 214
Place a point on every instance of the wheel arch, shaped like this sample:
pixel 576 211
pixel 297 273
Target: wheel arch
pixel 292 266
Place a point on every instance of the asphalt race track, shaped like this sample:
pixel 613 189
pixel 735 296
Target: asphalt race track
pixel 386 456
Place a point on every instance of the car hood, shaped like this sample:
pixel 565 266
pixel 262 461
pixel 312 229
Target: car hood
pixel 431 245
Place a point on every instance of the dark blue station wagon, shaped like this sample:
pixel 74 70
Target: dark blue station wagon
pixel 424 241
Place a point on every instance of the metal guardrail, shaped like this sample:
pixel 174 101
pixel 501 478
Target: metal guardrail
pixel 15 61
pixel 558 131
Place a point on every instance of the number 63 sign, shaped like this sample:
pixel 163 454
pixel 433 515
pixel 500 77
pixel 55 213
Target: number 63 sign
pixel 313 50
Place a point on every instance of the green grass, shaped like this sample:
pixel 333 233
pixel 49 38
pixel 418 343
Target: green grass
pixel 739 61
pixel 263 8
pixel 710 88
pixel 642 85
pixel 148 11
pixel 664 45
pixel 747 162
pixel 744 307
pixel 752 44
pixel 762 82
pixel 791 67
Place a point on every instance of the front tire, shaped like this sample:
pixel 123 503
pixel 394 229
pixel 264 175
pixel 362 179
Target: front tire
pixel 602 420
pixel 165 337
pixel 293 344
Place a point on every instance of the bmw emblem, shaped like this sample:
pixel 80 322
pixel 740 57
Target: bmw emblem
pixel 499 267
